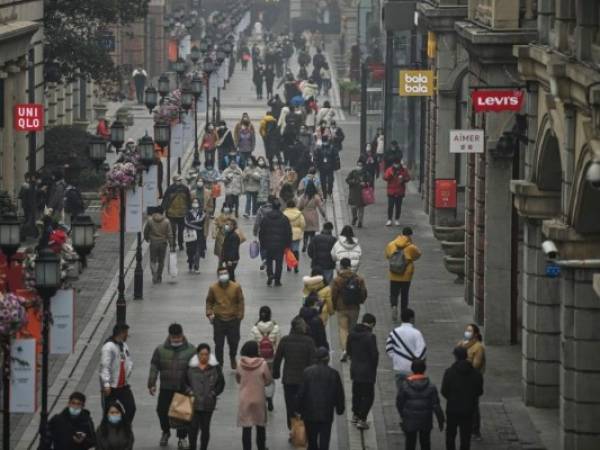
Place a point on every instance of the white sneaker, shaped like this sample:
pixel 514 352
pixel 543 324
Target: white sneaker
pixel 397 223
pixel 388 223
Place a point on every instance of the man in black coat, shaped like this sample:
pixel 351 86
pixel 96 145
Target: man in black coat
pixel 71 429
pixel 461 386
pixel 361 348
pixel 275 235
pixel 320 394
pixel 319 250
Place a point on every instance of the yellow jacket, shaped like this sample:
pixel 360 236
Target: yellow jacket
pixel 411 253
pixel 475 354
pixel 297 222
pixel 317 284
pixel 263 124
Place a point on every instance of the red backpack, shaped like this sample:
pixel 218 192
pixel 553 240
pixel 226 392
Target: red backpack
pixel 265 347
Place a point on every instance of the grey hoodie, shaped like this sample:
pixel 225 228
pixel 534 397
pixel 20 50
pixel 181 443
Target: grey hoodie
pixel 157 229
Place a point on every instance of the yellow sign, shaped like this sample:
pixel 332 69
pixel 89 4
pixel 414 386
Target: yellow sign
pixel 416 83
pixel 431 45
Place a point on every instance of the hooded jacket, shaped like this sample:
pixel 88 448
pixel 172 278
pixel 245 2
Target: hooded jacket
pixel 111 355
pixel 361 347
pixel 411 254
pixel 461 386
pixel 275 232
pixel 253 375
pixel 396 179
pixel 297 222
pixel 416 402
pixel 309 90
pixel 337 290
pixel 317 284
pixel 252 177
pixel 270 329
pixel 171 363
pixel 321 392
pixel 319 250
pixel 260 215
pixel 344 249
pixel 298 351
pixel 264 124
pixel 63 426
pixel 177 200
pixel 316 329
pixel 158 229
pixel 205 385
pixel 233 180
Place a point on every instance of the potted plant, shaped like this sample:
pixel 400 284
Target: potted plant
pixel 349 91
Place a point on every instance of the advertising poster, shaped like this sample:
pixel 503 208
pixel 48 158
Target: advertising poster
pixel 62 331
pixel 150 189
pixel 22 376
pixel 133 211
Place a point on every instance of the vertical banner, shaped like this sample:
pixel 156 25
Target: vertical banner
pixel 23 376
pixel 177 141
pixel 133 211
pixel 150 189
pixel 164 177
pixel 62 332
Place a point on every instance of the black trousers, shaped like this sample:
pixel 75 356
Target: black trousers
pixel 209 156
pixel 234 203
pixel 462 423
pixel 363 395
pixel 477 419
pixel 308 236
pixel 274 257
pixel 162 409
pixel 326 177
pixel 394 204
pixel 123 395
pixel 399 289
pixel 318 435
pixel 229 329
pixel 177 225
pixel 261 438
pixel 200 425
pixel 424 439
pixel 290 393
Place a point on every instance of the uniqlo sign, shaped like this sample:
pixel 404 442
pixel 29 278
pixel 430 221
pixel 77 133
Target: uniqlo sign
pixel 28 117
pixel 497 101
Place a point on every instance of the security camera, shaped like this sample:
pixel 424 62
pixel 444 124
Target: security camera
pixel 550 249
pixel 593 175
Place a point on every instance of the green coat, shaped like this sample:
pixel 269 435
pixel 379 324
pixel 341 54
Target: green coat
pixel 354 180
pixel 172 364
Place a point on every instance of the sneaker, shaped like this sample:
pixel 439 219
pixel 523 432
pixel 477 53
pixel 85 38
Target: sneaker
pixel 269 403
pixel 183 444
pixel 397 223
pixel 277 283
pixel 362 425
pixel 394 313
pixel 246 216
pixel 344 357
pixel 164 440
pixel 296 270
pixel 388 223
pixel 262 266
pixel 354 219
pixel 269 281
pixel 359 225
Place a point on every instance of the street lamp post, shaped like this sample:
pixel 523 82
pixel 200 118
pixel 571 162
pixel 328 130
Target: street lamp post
pixel 208 68
pixel 164 87
pixel 179 67
pixel 197 92
pixel 187 100
pixel 162 136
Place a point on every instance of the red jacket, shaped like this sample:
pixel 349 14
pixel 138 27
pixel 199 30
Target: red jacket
pixel 396 181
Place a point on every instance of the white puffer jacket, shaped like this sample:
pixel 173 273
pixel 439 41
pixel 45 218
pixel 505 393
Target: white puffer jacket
pixel 270 328
pixel 343 249
pixel 110 360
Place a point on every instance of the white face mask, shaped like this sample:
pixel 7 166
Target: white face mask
pixel 195 205
pixel 468 335
pixel 223 278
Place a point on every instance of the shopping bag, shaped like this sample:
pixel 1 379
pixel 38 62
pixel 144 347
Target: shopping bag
pixel 181 408
pixel 368 195
pixel 290 259
pixel 215 191
pixel 173 272
pixel 298 432
pixel 254 249
pixel 270 390
pixel 189 235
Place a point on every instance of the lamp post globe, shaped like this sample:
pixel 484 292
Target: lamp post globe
pixel 197 85
pixel 208 66
pixel 47 271
pixel 187 98
pixel 97 150
pixel 151 98
pixel 195 54
pixel 83 231
pixel 10 234
pixel 179 66
pixel 164 85
pixel 117 134
pixel 146 150
pixel 162 133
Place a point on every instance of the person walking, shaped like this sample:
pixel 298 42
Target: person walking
pixel 298 225
pixel 116 366
pixel 267 335
pixel 319 251
pixel 462 385
pixel 327 161
pixel 391 154
pixel 401 254
pixel 270 133
pixel 225 311
pixel 337 136
pixel 325 75
pixel 264 183
pixel 233 179
pixel 269 74
pixel 170 361
pixel 473 342
pixel 311 313
pixel 361 348
pixel 258 78
pixel 260 214
pixel 252 375
pixel 225 144
pixel 417 402
pixel 296 351
pixel 244 137
pixel 275 235
pixel 158 233
pixel 311 206
pixel 320 394
pixel 404 345
pixel 204 380
pixel 347 246
pixel 218 233
pixel 194 227
pixel 357 180
pixel 231 248
pixel 348 292
pixel 396 178
pixel 316 283
pixel 251 178
pixel 176 203
pixel 71 429
pixel 114 432
pixel 209 144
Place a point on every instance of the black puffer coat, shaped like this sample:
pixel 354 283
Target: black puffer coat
pixel 298 351
pixel 417 402
pixel 275 233
pixel 316 329
pixel 362 350
pixel 320 394
pixel 62 428
pixel 319 250
pixel 461 386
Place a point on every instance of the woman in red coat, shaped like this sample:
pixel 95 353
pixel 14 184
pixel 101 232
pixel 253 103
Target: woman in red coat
pixel 396 177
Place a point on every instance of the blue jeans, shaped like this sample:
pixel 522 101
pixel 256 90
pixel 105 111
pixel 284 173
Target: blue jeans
pixel 251 205
pixel 327 275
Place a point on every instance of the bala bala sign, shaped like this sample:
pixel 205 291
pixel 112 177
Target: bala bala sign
pixel 497 100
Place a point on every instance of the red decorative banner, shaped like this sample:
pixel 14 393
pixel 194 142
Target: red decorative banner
pixel 497 100
pixel 445 193
pixel 28 117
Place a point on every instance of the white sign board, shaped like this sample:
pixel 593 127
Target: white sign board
pixel 133 210
pixel 177 141
pixel 62 332
pixel 150 189
pixel 23 376
pixel 466 141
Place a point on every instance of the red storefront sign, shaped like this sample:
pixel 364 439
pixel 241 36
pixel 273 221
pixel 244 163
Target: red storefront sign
pixel 445 193
pixel 28 117
pixel 497 100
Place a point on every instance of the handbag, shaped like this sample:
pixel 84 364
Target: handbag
pixel 189 235
pixel 368 195
pixel 173 272
pixel 254 249
pixel 290 259
pixel 181 408
pixel 298 432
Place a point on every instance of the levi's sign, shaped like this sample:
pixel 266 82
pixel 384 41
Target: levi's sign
pixel 28 117
pixel 414 83
pixel 497 100
pixel 466 141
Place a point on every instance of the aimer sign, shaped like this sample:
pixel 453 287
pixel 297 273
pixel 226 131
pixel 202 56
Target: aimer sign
pixel 416 83
pixel 28 117
pixel 466 141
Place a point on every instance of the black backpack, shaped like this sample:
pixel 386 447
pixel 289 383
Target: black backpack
pixel 351 291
